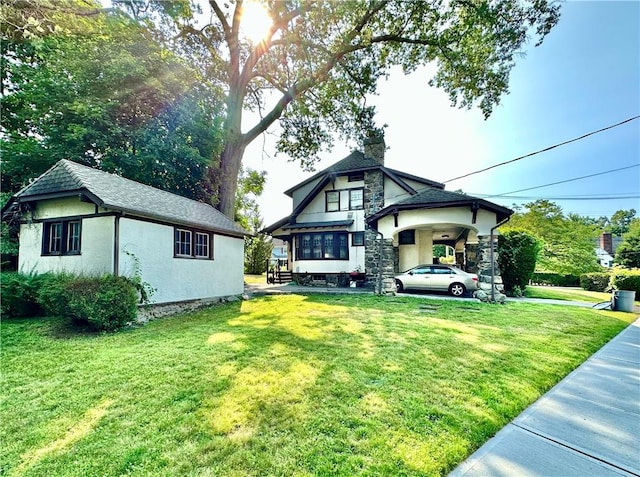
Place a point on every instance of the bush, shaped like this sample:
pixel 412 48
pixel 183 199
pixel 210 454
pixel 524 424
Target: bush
pixel 555 279
pixel 598 281
pixel 105 303
pixel 622 279
pixel 52 295
pixel 517 253
pixel 19 294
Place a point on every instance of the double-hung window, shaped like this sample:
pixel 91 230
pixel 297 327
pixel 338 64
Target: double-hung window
pixel 61 237
pixel 192 244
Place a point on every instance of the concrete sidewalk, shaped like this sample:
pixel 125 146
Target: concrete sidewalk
pixel 587 425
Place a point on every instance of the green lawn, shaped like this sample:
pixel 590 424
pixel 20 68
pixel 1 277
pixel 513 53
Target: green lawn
pixel 565 293
pixel 284 385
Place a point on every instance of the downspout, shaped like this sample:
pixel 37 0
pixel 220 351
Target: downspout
pixel 493 265
pixel 116 245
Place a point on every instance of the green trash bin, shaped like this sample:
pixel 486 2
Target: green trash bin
pixel 623 300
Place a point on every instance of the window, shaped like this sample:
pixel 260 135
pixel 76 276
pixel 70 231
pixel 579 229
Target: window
pixel 61 237
pixel 347 199
pixel 183 243
pixel 73 237
pixel 192 244
pixel 322 246
pixel 202 245
pixel 407 237
pixel 357 239
pixel 355 199
pixel 333 201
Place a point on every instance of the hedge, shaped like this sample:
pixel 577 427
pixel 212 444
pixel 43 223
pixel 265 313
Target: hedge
pixel 555 279
pixel 626 279
pixel 597 281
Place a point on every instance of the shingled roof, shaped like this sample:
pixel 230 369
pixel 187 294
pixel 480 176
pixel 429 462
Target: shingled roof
pixel 356 162
pixel 437 198
pixel 116 193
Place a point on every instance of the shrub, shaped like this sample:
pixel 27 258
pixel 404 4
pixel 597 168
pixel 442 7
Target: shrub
pixel 19 294
pixel 517 253
pixel 52 295
pixel 105 303
pixel 622 279
pixel 597 281
pixel 556 279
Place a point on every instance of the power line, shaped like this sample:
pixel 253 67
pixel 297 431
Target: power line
pixel 587 197
pixel 543 150
pixel 567 180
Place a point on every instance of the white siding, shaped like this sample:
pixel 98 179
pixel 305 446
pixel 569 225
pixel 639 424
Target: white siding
pixel 67 207
pixel 177 279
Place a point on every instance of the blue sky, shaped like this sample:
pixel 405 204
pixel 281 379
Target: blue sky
pixel 584 77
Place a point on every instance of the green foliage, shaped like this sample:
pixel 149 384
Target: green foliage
pixel 19 293
pixel 52 295
pixel 555 279
pixel 596 281
pixel 111 97
pixel 622 279
pixel 517 253
pixel 257 248
pixel 321 60
pixel 567 244
pixel 621 221
pixel 105 303
pixel 628 252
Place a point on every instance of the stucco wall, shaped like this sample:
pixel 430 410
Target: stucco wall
pixel 452 215
pixel 96 254
pixel 177 279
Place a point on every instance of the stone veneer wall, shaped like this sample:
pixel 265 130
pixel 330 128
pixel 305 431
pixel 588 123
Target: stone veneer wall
pixel 374 258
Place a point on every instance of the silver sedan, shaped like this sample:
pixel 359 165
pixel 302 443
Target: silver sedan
pixel 437 278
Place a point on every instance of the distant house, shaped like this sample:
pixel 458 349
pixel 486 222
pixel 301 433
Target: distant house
pixel 75 218
pixel 279 252
pixel 606 249
pixel 359 216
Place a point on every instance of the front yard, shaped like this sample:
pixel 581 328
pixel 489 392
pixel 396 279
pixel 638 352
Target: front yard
pixel 288 385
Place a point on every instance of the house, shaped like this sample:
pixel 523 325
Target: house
pixel 78 219
pixel 279 253
pixel 359 215
pixel 606 249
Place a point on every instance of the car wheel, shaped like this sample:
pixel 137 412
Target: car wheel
pixel 399 286
pixel 457 289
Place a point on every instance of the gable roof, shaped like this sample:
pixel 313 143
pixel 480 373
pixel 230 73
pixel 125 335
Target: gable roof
pixel 358 162
pixel 67 178
pixel 436 198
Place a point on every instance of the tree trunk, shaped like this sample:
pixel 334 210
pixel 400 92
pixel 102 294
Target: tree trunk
pixel 230 162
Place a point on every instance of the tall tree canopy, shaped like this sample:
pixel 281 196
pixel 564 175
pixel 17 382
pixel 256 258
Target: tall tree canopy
pixel 568 245
pixel 106 94
pixel 319 61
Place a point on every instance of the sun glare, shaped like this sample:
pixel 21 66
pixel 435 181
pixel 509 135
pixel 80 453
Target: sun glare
pixel 255 21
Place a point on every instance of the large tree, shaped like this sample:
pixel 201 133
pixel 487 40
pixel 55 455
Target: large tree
pixel 108 95
pixel 567 244
pixel 320 60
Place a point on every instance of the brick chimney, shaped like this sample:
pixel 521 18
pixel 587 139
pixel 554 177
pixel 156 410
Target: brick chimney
pixel 374 147
pixel 606 242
